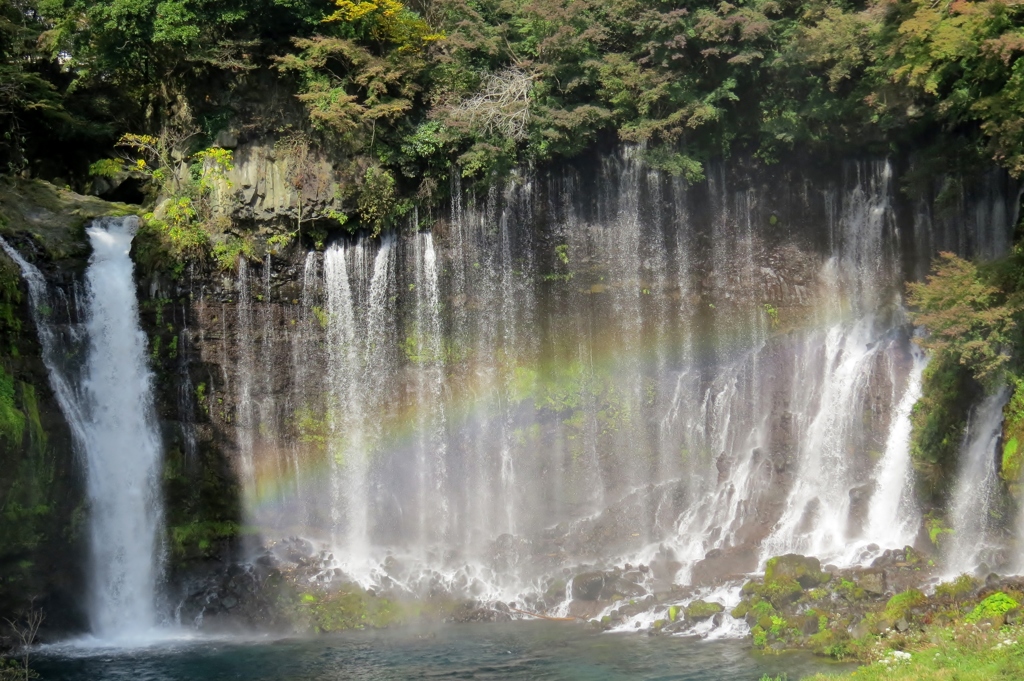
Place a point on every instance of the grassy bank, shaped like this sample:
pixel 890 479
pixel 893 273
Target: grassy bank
pixel 962 652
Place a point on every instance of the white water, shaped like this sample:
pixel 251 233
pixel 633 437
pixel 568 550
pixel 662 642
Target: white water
pixel 976 488
pixel 122 447
pixel 567 373
pixel 893 516
pixel 111 416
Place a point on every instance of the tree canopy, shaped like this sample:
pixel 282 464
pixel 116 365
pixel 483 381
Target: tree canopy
pixel 410 93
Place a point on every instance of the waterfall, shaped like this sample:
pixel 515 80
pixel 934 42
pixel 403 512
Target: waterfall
pixel 428 355
pixel 109 406
pixel 345 408
pixel 976 487
pixel 893 517
pixel 245 412
pixel 605 364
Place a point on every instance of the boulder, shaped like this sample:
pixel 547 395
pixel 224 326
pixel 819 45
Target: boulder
pixel 722 564
pixel 584 610
pixel 698 611
pixel 587 586
pixel 805 570
pixel 872 580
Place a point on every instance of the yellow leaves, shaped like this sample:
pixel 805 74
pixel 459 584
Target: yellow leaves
pixel 138 142
pixel 352 11
pixel 387 21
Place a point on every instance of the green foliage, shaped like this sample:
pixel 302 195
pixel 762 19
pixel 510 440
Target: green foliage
pixel 899 605
pixel 964 653
pixel 562 253
pixel 107 167
pixel 995 606
pixel 938 420
pixel 12 420
pixel 936 528
pixel 200 537
pixel 675 163
pixel 958 589
pixel 1013 433
pixel 228 252
pixel 967 318
pixel 410 94
pixel 759 636
pixel 377 199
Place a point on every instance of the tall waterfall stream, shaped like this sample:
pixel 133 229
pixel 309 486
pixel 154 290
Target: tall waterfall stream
pixel 109 404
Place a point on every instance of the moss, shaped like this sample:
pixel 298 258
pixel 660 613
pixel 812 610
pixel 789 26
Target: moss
pixel 350 607
pixel 53 218
pixel 12 420
pixel 202 503
pixel 780 591
pixel 958 589
pixel 899 605
pixel 938 420
pixel 850 591
pixel 30 407
pixel 1013 435
pixel 313 428
pixel 700 610
pixel 936 529
pixel 200 537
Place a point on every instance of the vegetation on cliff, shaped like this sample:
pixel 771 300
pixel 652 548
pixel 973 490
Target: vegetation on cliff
pixel 405 96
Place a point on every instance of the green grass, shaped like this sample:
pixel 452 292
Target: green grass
pixel 962 653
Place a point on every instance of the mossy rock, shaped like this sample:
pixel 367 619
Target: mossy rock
pixel 899 606
pixel 350 607
pixel 805 570
pixel 960 588
pixel 55 219
pixel 701 610
pixel 849 591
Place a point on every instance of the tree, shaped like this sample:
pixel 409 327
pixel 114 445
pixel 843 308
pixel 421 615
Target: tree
pixel 26 630
pixel 966 318
pixel 27 97
pixel 307 174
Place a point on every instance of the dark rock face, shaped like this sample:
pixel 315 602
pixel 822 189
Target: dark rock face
pixel 43 552
pixel 724 565
pixel 607 586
